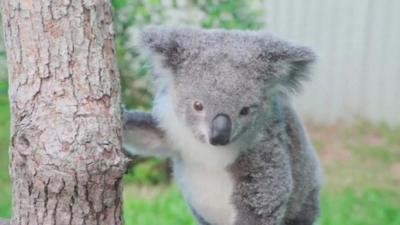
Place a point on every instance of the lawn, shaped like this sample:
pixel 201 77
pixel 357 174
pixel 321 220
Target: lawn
pixel 5 192
pixel 361 162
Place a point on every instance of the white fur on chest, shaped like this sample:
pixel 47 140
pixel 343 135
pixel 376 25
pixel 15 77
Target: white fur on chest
pixel 200 169
pixel 208 190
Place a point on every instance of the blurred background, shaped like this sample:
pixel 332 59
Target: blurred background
pixel 350 105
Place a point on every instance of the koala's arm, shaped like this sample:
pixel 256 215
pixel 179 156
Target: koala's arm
pixel 142 136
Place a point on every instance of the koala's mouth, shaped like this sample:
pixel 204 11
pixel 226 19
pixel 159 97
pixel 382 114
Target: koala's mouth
pixel 221 127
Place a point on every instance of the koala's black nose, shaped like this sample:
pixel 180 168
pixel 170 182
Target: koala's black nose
pixel 221 127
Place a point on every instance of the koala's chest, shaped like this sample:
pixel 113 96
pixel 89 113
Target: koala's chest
pixel 208 191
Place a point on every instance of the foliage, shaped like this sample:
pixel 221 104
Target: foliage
pixel 3 67
pixel 231 14
pixel 149 172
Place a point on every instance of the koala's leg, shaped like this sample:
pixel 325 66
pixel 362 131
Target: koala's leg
pixel 309 212
pixel 142 135
pixel 263 187
pixel 269 210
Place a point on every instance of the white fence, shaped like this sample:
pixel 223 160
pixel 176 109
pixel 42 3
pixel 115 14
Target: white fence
pixel 358 42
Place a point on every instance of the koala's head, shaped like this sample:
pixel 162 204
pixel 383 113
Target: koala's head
pixel 219 81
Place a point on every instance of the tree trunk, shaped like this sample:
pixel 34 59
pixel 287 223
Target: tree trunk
pixel 4 222
pixel 66 158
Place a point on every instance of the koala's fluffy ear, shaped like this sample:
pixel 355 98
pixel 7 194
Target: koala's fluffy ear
pixel 162 44
pixel 291 62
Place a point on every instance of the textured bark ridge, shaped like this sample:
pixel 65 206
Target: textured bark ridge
pixel 66 159
pixel 4 222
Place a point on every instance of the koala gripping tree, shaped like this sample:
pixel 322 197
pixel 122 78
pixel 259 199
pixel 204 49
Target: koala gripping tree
pixel 66 159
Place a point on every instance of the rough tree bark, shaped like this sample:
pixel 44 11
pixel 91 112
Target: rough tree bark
pixel 66 159
pixel 4 222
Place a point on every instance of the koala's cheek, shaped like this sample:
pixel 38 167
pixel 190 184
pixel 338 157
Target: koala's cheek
pixel 241 128
pixel 201 137
pixel 202 132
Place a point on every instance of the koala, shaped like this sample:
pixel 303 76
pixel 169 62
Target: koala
pixel 222 113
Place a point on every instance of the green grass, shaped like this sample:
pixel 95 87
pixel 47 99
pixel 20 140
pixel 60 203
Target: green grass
pixel 5 187
pixel 361 206
pixel 362 166
pixel 350 206
pixel 161 205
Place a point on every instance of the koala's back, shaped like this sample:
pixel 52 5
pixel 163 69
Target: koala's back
pixel 306 172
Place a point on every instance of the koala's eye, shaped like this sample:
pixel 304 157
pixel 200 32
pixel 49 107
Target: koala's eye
pixel 244 111
pixel 198 106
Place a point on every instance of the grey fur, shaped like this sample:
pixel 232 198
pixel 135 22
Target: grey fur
pixel 276 173
pixel 142 134
pixel 141 120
